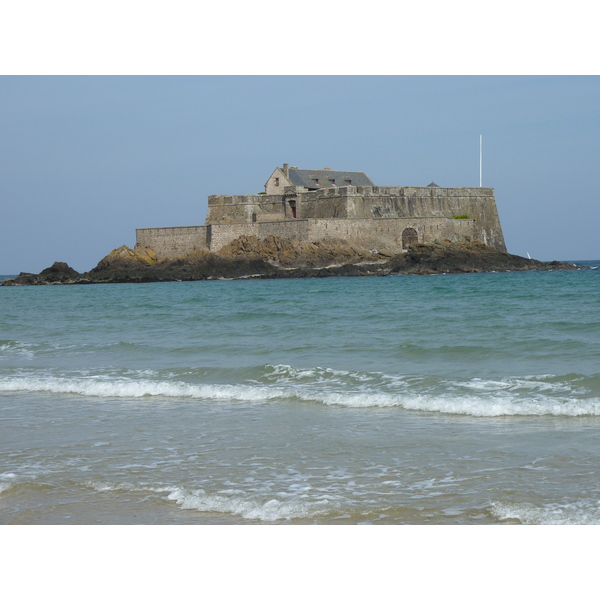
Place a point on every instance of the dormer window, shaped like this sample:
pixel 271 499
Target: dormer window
pixel 348 181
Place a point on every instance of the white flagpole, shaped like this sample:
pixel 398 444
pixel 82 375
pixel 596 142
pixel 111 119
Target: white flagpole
pixel 480 161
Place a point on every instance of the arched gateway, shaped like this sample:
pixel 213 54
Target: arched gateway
pixel 409 237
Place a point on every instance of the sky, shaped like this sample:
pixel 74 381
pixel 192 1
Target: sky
pixel 95 142
pixel 85 160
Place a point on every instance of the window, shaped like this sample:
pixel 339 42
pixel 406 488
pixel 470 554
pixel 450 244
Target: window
pixel 348 181
pixel 276 181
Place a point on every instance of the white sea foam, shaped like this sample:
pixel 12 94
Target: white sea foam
pixel 127 388
pixel 505 406
pixel 269 510
pixel 127 487
pixel 4 487
pixel 230 501
pixel 476 397
pixel 7 481
pixel 288 374
pixel 16 348
pixel 573 513
pixel 539 384
pixel 476 405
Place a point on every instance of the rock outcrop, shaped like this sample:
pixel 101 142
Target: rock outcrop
pixel 465 257
pixel 126 256
pixel 274 257
pixel 295 253
pixel 59 272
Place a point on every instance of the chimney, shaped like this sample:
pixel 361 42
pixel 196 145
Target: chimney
pixel 286 169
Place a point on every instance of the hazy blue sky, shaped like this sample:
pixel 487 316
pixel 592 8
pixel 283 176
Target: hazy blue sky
pixel 84 161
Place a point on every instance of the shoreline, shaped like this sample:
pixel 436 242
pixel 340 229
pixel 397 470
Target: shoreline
pixel 124 265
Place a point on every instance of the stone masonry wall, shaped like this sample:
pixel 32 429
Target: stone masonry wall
pixel 367 202
pixel 220 235
pixel 244 209
pixel 393 202
pixel 386 234
pixel 329 203
pixel 170 242
pixel 372 217
pixel 374 234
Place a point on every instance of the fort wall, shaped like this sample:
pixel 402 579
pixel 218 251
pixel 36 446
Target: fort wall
pixel 221 235
pixel 393 202
pixel 386 234
pixel 170 242
pixel 245 209
pixel 365 202
pixel 374 217
pixel 375 234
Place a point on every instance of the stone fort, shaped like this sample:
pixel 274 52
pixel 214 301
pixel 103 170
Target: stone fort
pixel 312 205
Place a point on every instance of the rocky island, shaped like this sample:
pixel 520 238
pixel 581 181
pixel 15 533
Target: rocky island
pixel 277 258
pixel 316 223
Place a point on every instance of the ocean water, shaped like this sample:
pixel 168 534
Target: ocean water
pixel 446 399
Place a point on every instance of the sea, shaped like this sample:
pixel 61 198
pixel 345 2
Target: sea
pixel 470 399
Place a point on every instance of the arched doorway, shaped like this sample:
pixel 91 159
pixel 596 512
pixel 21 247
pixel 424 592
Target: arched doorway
pixel 409 238
pixel 292 205
pixel 289 205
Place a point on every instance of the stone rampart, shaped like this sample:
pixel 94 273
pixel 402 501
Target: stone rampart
pixel 432 202
pixel 374 217
pixel 386 234
pixel 170 242
pixel 365 202
pixel 220 235
pixel 245 209
pixel 374 234
pixel 379 234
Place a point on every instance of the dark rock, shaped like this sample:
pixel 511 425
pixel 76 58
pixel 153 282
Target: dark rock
pixel 276 258
pixel 466 257
pixel 59 272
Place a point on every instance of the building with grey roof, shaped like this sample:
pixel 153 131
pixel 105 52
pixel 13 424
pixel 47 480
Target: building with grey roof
pixel 321 204
pixel 312 179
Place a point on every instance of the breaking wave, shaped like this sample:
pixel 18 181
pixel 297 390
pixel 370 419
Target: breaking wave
pixel 583 512
pixel 14 348
pixel 267 510
pixel 124 388
pixel 8 481
pixel 5 486
pixel 568 395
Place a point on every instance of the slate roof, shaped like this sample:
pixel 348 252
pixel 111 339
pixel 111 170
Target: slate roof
pixel 316 180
